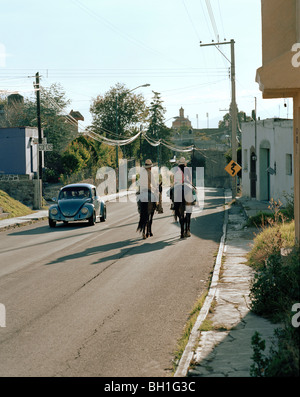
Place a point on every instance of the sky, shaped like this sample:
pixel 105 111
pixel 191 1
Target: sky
pixel 88 46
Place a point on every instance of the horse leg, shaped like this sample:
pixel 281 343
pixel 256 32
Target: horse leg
pixel 187 225
pixel 150 224
pixel 144 231
pixel 181 219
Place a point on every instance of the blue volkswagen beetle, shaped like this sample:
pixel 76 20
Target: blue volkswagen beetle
pixel 77 202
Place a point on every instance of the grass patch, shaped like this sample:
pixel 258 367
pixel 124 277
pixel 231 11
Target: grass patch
pixel 12 206
pixel 187 330
pixel 269 242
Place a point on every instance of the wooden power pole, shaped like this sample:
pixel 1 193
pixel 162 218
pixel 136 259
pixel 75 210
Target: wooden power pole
pixel 233 106
pixel 39 153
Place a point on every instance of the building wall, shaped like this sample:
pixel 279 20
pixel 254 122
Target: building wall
pixel 18 153
pixel 279 77
pixel 274 148
pixel 280 21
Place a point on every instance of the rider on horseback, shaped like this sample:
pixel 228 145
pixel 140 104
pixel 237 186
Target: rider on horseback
pixel 148 199
pixel 183 189
pixel 182 197
pixel 148 192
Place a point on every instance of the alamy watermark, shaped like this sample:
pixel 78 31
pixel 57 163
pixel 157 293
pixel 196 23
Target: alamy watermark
pixel 296 57
pixel 137 179
pixel 2 315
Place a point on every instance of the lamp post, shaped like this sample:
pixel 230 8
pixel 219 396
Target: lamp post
pixel 117 132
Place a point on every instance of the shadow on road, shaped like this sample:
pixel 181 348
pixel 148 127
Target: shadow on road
pixel 124 248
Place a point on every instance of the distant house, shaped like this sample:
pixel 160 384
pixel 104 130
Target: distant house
pixel 267 153
pixel 73 117
pixel 18 151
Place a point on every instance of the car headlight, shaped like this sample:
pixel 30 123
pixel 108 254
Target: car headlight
pixel 54 211
pixel 84 210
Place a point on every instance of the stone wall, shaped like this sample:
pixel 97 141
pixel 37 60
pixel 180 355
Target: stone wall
pixel 21 189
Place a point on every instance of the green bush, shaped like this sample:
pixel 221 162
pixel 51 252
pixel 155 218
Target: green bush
pixel 283 358
pixel 275 286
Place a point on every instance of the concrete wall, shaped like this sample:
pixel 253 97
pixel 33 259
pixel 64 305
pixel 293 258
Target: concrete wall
pixel 214 169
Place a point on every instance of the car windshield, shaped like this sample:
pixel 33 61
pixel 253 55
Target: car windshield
pixel 74 193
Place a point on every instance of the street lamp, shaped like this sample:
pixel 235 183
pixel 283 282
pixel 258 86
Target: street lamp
pixel 117 132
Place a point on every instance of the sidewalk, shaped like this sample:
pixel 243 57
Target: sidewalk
pixel 220 342
pixel 37 215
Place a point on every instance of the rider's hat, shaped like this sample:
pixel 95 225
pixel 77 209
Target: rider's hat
pixel 148 163
pixel 182 161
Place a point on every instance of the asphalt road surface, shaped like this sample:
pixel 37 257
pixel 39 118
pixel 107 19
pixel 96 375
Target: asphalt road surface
pixel 99 300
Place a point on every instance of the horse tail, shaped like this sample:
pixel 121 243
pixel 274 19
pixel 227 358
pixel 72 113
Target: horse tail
pixel 143 216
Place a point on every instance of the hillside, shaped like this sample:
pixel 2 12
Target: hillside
pixel 12 207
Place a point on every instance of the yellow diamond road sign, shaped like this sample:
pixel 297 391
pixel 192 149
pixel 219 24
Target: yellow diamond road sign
pixel 233 168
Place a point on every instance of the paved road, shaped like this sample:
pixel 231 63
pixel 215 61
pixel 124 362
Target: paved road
pixel 99 300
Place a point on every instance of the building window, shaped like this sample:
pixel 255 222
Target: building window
pixel 289 164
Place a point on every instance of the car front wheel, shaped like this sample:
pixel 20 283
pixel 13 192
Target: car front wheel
pixel 52 223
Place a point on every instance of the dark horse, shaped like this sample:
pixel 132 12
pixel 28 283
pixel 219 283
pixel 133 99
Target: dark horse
pixel 146 210
pixel 179 208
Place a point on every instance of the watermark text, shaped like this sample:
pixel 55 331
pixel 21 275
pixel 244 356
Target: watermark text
pixel 296 56
pixel 2 315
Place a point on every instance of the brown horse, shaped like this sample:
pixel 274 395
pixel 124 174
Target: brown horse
pixel 184 219
pixel 180 210
pixel 146 207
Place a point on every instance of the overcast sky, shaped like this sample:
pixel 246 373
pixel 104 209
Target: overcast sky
pixel 88 46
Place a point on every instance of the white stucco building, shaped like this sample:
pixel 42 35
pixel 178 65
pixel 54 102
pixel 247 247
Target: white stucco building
pixel 267 155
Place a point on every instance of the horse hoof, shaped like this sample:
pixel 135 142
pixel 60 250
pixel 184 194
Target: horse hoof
pixel 144 236
pixel 188 234
pixel 151 234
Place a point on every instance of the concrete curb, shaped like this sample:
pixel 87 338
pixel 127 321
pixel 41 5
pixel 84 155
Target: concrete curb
pixel 188 353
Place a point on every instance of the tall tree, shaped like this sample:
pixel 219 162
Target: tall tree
pixel 157 130
pixel 117 111
pixel 118 114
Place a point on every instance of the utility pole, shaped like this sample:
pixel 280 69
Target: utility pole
pixel 233 106
pixel 40 153
pixel 38 110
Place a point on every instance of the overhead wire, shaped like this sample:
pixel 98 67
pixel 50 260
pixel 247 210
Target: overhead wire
pixel 125 35
pixel 191 21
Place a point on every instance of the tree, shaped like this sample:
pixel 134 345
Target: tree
pixel 157 130
pixel 57 126
pixel 84 156
pixel 118 113
pixel 226 122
